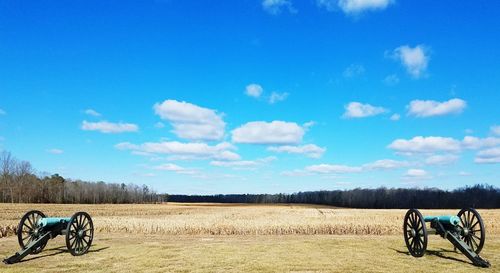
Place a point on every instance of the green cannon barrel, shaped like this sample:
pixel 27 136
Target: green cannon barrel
pixel 50 221
pixel 445 219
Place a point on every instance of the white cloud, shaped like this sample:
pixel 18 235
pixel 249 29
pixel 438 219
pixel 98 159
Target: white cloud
pixel 277 6
pixel 353 70
pixel 441 159
pixel 243 164
pixel 169 167
pixel 55 151
pixel 109 127
pixel 277 97
pixel 462 173
pixel 296 173
pixel 92 112
pixel 385 164
pixel 310 150
pixel 261 132
pixel 254 90
pixel 416 174
pixel 415 59
pixel 420 144
pixel 354 6
pixel 175 168
pixel 488 156
pixel 473 143
pixel 495 129
pixel 395 117
pixel 328 168
pixel 309 124
pixel 221 151
pixel 159 125
pixel 191 121
pixel 359 110
pixel 391 80
pixel 2 112
pixel 429 108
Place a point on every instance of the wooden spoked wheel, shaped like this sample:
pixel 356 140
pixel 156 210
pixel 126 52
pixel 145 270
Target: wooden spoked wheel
pixel 415 233
pixel 29 230
pixel 473 233
pixel 79 234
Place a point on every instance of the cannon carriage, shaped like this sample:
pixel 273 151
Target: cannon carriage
pixel 465 231
pixel 35 230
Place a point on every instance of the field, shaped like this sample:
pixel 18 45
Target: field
pixel 242 238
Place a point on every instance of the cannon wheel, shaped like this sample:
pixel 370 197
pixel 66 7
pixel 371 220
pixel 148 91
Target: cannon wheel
pixel 415 233
pixel 79 233
pixel 27 230
pixel 473 233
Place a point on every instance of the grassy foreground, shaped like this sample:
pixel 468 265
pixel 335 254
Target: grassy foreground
pixel 270 253
pixel 242 238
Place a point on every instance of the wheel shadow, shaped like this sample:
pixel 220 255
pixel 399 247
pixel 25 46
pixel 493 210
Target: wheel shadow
pixel 438 253
pixel 59 250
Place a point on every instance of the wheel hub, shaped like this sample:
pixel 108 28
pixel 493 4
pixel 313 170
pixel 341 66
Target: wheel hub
pixel 413 233
pixel 466 231
pixel 81 233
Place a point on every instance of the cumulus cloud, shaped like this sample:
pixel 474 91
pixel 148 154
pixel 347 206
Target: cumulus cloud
pixel 360 110
pixel 473 143
pixel 175 168
pixel 429 108
pixel 221 151
pixel 275 7
pixel 354 6
pixel 309 150
pixel 385 164
pixel 416 174
pixel 159 125
pixel 275 132
pixel 92 112
pixel 495 130
pixel 109 127
pixel 254 90
pixel 55 151
pixel 420 144
pixel 191 121
pixel 243 164
pixel 415 59
pixel 441 159
pixel 296 173
pixel 277 97
pixel 391 80
pixel 353 70
pixel 395 117
pixel 489 156
pixel 328 168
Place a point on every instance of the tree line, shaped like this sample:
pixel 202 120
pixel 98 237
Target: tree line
pixel 20 184
pixel 478 196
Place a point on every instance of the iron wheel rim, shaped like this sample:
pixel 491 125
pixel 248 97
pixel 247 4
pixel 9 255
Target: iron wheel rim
pixel 415 233
pixel 28 230
pixel 473 232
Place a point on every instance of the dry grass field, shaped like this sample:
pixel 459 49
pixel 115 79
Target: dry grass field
pixel 242 238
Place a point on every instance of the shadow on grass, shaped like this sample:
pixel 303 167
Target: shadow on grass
pixel 437 253
pixel 60 250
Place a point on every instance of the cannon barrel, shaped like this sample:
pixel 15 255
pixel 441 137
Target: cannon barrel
pixel 444 219
pixel 52 221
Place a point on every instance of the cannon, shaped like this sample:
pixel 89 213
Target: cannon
pixel 465 231
pixel 35 230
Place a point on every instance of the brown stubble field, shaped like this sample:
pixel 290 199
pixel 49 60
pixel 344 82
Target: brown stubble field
pixel 242 238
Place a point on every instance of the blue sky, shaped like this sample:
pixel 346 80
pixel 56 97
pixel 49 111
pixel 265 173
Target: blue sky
pixel 254 96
